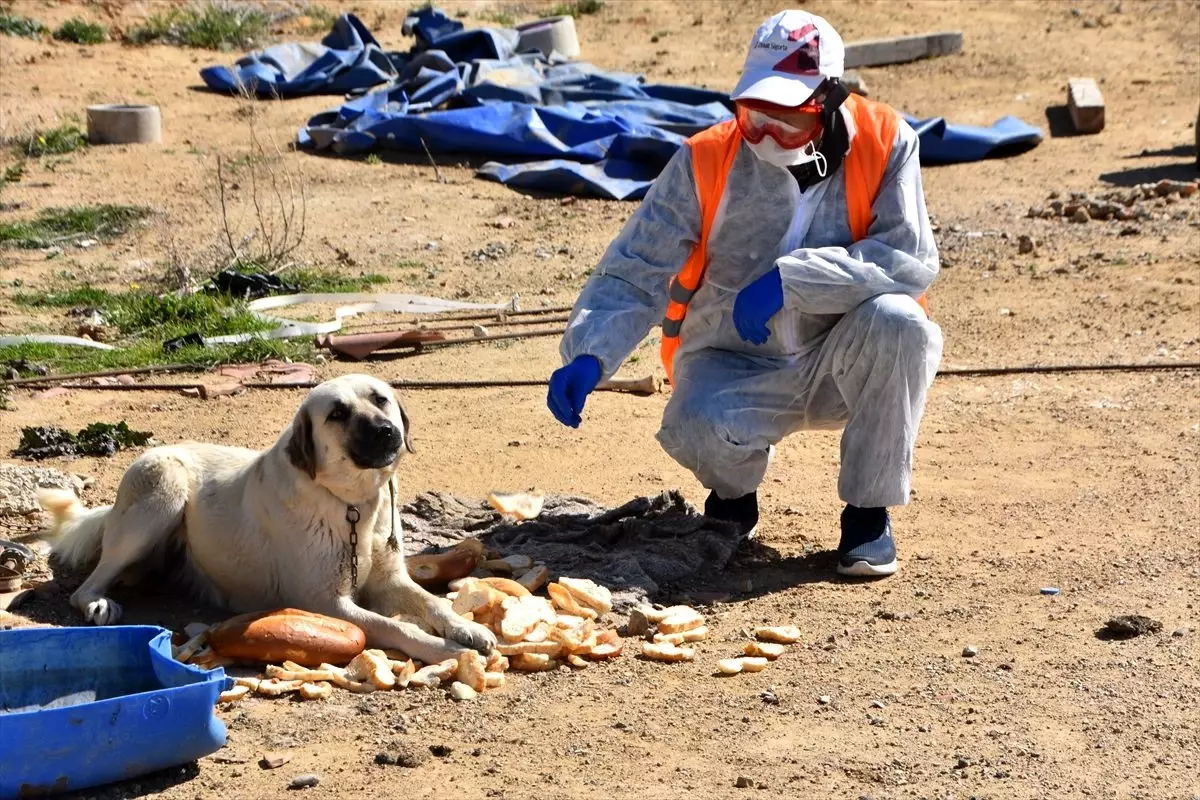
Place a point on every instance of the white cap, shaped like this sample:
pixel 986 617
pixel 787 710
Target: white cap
pixel 790 55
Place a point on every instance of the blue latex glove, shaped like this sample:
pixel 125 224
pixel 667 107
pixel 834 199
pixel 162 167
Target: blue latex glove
pixel 569 388
pixel 755 305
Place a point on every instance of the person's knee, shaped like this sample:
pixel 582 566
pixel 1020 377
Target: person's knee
pixel 690 423
pixel 899 318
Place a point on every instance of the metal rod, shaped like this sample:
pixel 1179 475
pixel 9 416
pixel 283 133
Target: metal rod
pixel 983 372
pixel 104 373
pixel 494 323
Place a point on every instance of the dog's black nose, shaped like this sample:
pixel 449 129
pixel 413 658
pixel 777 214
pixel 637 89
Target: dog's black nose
pixel 384 431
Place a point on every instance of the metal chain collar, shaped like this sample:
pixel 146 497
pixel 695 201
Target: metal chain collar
pixel 352 517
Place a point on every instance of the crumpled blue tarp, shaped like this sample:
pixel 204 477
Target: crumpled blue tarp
pixel 588 131
pixel 346 60
pixel 563 127
pixel 943 143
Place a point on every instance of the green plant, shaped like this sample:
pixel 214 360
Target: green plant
pixel 212 26
pixel 577 8
pixel 81 32
pixel 15 25
pixel 12 174
pixel 319 19
pixel 57 224
pixel 66 138
pixel 145 321
pixel 374 160
pixel 320 281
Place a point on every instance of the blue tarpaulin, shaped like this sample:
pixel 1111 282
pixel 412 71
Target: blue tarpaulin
pixel 943 143
pixel 560 127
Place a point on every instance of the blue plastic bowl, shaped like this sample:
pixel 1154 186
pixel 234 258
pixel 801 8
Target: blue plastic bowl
pixel 80 707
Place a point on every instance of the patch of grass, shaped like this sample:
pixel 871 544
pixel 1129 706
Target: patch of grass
pixel 69 298
pixel 317 19
pixel 374 160
pixel 320 281
pixel 16 25
pixel 66 138
pixel 212 26
pixel 81 32
pixel 57 224
pixel 144 321
pixel 499 17
pixel 577 8
pixel 63 359
pixel 12 174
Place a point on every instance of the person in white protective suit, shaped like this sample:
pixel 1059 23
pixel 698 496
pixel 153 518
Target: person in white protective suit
pixel 786 254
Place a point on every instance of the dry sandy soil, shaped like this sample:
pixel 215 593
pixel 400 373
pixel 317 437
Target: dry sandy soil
pixel 1086 482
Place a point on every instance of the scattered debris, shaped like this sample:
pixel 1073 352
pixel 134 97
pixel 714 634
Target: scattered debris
pixel 1133 203
pixel 249 285
pixel 1086 105
pixel 97 439
pixel 1129 626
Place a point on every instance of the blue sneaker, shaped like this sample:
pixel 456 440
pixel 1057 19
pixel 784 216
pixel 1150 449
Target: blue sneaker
pixel 867 549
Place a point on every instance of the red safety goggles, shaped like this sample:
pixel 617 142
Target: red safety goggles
pixel 791 128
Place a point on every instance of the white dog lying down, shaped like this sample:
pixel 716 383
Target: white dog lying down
pixel 258 531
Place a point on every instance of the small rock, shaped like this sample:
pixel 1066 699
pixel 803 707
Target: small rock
pixel 1006 312
pixel 1049 590
pixel 1081 215
pixel 638 624
pixel 1130 625
pixel 432 246
pixel 503 223
pixel 478 331
pixel 304 782
pixel 824 699
pixel 1179 633
pixel 274 760
pixel 385 759
pixel 970 651
pixel 441 750
pixel 923 729
pixel 460 691
pixel 743 782
pixel 1025 245
pixel 877 704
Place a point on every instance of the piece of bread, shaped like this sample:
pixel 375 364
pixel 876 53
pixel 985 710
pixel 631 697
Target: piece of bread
pixel 288 634
pixel 589 593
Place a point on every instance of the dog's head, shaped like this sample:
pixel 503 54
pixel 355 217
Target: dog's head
pixel 345 426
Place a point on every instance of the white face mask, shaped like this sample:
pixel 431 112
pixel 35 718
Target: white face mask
pixel 774 153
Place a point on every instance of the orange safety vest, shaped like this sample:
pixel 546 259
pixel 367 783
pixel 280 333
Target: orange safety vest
pixel 713 151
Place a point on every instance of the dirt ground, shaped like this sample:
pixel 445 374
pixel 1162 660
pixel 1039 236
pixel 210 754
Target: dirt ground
pixel 1085 482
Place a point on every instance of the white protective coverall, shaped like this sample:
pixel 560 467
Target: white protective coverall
pixel 851 347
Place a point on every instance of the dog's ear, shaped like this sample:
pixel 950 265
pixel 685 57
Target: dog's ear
pixel 301 449
pixel 407 427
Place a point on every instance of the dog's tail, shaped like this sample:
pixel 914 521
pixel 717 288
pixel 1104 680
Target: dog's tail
pixel 77 531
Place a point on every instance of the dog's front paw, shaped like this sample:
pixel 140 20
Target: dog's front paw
pixel 102 612
pixel 470 634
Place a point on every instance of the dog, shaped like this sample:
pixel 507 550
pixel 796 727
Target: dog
pixel 255 531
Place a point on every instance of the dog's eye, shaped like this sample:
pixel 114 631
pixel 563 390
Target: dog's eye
pixel 340 413
pixel 379 400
